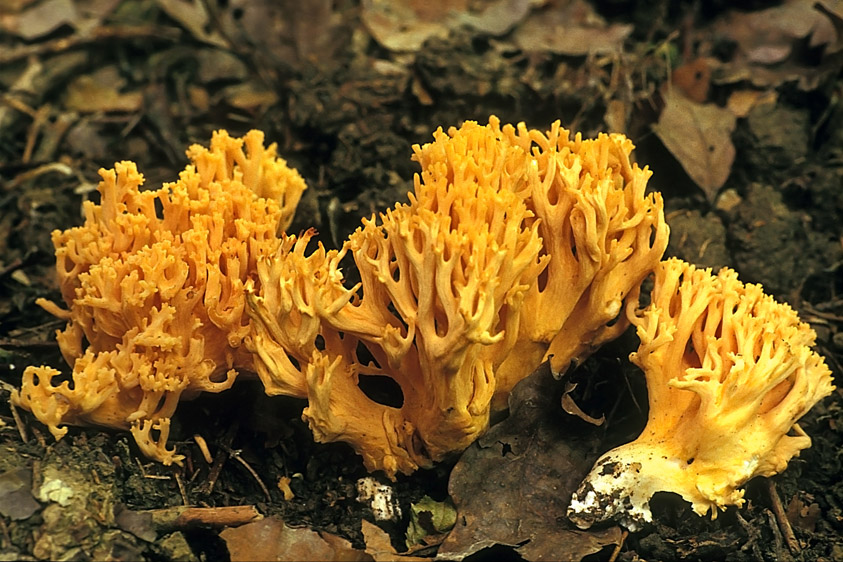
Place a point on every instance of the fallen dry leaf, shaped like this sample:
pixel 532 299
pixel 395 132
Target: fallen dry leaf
pixel 512 487
pixel 700 137
pixel 569 28
pixel 316 29
pixel 194 16
pixel 217 64
pixel 40 18
pixel 271 539
pixel 16 500
pixel 284 30
pixel 771 44
pixel 100 91
pixel 803 515
pixel 497 17
pixel 379 547
pixel 741 102
pixel 833 9
pixel 405 25
pixel 767 36
pixel 571 407
pixel 250 95
pixel 693 79
pixel 397 26
pixel 430 521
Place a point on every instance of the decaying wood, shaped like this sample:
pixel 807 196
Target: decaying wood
pixel 180 517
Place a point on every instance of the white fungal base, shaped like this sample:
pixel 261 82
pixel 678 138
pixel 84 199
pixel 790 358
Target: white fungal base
pixel 611 490
pixel 380 499
pixel 622 482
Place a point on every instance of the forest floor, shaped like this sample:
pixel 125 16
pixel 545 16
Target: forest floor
pixel 737 107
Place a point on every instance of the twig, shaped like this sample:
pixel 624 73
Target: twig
pixel 10 102
pixel 752 537
pixel 7 538
pixel 821 314
pixel 18 422
pixel 182 490
pixel 15 264
pixel 777 535
pixel 203 448
pixel 59 167
pixel 150 476
pixel 236 456
pixel 39 437
pixel 148 32
pixel 182 517
pixel 222 456
pixel 38 122
pixel 53 134
pixel 617 551
pixel 781 518
pixel 632 393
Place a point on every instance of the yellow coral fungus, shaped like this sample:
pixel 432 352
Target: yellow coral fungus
pixel 435 276
pixel 154 281
pixel 295 290
pixel 515 245
pixel 602 233
pixel 729 372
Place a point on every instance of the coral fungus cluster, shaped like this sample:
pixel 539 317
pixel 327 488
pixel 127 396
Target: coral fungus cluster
pixel 729 372
pixel 154 281
pixel 516 246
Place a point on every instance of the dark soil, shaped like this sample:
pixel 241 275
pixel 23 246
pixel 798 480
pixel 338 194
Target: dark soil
pixel 82 90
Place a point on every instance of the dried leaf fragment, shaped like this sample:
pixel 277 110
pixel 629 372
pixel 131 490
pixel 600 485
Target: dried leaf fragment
pixel 406 24
pixel 379 546
pixel 524 470
pixel 40 19
pixel 272 539
pixel 569 28
pixel 429 519
pixel 700 137
pixel 571 407
pixel 16 500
